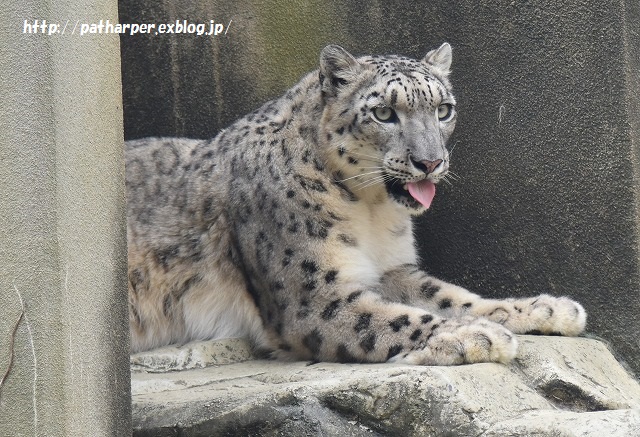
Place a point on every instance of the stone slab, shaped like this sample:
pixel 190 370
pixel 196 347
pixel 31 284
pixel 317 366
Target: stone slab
pixel 556 386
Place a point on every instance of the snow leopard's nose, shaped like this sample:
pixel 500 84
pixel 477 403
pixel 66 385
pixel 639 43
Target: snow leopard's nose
pixel 428 166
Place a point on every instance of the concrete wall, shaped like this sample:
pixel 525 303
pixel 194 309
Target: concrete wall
pixel 546 144
pixel 62 230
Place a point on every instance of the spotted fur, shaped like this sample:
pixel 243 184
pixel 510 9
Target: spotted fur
pixel 292 227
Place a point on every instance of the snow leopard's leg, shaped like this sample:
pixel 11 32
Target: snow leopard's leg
pixel 361 326
pixel 541 314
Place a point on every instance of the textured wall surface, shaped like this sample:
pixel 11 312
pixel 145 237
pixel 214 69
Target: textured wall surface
pixel 546 143
pixel 62 231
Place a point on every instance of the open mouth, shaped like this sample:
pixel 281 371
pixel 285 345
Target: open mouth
pixel 414 195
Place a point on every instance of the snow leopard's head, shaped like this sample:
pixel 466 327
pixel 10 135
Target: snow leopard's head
pixel 386 121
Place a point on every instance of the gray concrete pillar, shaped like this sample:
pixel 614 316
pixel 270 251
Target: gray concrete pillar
pixel 62 224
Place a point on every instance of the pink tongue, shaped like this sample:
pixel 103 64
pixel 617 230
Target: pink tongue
pixel 423 191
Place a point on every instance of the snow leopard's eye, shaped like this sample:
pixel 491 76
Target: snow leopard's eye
pixel 445 111
pixel 385 114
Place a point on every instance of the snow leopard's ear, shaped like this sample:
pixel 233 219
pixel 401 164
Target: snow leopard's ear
pixel 337 68
pixel 440 59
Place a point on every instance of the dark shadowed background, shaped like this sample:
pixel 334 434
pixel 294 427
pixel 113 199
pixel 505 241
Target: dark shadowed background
pixel 546 146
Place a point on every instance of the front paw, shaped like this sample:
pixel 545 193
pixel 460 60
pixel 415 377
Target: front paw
pixel 464 342
pixel 547 315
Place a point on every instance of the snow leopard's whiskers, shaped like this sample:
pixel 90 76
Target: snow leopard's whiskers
pixel 446 180
pixel 369 183
pixel 453 176
pixel 452 148
pixel 381 178
pixel 365 157
pixel 361 174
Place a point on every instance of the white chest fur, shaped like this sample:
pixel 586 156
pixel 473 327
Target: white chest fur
pixel 384 235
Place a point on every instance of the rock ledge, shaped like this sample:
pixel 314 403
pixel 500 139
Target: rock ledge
pixel 555 387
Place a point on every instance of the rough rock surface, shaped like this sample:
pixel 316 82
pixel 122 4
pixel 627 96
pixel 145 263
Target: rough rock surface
pixel 555 387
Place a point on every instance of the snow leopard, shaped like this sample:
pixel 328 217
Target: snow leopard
pixel 293 227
